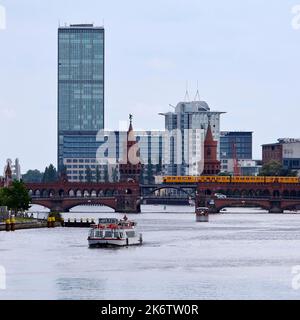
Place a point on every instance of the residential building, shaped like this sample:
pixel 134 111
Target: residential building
pixel 186 127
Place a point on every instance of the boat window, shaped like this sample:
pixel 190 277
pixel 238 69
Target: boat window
pixel 108 234
pixel 116 234
pixel 98 233
pixel 130 234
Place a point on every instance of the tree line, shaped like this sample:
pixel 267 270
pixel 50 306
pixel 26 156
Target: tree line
pixel 15 197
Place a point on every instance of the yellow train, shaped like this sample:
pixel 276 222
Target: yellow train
pixel 229 179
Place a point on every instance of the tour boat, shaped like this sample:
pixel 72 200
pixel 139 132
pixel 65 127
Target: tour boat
pixel 202 214
pixel 113 232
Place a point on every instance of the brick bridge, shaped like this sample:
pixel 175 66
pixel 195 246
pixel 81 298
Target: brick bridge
pixel 274 198
pixel 123 197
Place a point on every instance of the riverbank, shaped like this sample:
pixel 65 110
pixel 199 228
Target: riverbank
pixel 37 224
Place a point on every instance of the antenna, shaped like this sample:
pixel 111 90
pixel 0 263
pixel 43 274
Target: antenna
pixel 197 96
pixel 187 97
pixel 172 106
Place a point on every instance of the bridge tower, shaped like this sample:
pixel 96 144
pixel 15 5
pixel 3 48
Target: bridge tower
pixel 8 175
pixel 130 169
pixel 211 163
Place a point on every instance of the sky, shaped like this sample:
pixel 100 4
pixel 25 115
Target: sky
pixel 244 55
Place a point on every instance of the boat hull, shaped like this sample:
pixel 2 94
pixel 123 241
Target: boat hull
pixel 202 218
pixel 98 243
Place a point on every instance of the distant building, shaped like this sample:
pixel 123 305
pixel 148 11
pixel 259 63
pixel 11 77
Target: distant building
pixel 240 140
pixel 286 151
pixel 188 125
pixel 80 93
pixel 237 145
pixel 272 151
pixel 14 168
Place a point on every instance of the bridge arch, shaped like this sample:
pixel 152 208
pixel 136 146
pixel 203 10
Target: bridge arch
pixel 78 193
pixel 86 193
pixel 180 189
pixel 245 204
pixel 99 202
pixel 52 193
pixel 37 193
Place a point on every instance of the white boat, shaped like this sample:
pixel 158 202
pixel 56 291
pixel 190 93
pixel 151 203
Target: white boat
pixel 113 232
pixel 202 214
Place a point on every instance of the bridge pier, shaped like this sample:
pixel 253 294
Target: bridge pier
pixel 275 207
pixel 128 204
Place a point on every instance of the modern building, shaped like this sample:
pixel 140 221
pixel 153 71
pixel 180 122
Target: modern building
pixel 236 143
pixel 80 94
pixel 286 151
pixel 236 147
pixel 187 126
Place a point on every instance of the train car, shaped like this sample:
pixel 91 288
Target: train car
pixel 229 179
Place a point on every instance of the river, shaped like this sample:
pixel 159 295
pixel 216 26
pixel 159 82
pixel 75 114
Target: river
pixel 240 254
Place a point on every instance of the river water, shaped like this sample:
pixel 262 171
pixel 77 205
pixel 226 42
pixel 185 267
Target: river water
pixel 241 254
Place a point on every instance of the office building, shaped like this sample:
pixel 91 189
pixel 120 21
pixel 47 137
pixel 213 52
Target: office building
pixel 80 93
pixel 286 151
pixel 187 127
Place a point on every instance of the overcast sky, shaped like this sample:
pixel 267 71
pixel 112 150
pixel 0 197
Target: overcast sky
pixel 244 54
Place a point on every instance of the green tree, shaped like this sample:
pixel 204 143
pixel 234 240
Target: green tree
pixel 50 174
pixel 15 197
pixel 32 176
pixel 88 175
pixel 275 168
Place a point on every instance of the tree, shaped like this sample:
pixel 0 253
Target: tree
pixel 32 176
pixel 275 168
pixel 50 174
pixel 88 175
pixel 15 197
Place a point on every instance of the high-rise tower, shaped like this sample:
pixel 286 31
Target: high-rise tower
pixel 80 93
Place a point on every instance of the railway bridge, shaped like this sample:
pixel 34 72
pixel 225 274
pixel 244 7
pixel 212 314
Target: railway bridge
pixel 274 197
pixel 123 197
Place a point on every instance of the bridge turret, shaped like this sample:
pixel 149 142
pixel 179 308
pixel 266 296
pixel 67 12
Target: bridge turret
pixel 130 168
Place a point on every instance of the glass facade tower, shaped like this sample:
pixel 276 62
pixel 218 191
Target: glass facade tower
pixel 80 91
